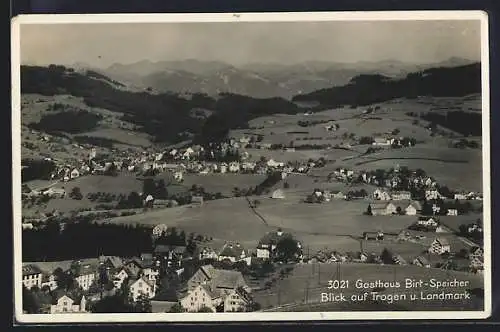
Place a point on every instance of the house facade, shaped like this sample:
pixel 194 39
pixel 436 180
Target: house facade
pixel 68 304
pixel 141 286
pixel 200 297
pixel 383 209
pixel 439 246
pixel 32 276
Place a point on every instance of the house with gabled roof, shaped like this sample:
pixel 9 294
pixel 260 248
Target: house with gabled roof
pixel 421 261
pixel 440 246
pixel 218 279
pixel 64 302
pixel 32 276
pixel 200 297
pixel 234 252
pixel 382 209
pixel 141 286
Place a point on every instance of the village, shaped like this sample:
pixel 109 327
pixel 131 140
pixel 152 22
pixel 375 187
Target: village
pixel 202 276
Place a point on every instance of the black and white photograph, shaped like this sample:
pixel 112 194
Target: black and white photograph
pixel 251 167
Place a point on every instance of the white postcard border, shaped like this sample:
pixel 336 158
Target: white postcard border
pixel 16 22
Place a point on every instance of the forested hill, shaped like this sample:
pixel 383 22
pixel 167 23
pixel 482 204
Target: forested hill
pixel 368 89
pixel 167 117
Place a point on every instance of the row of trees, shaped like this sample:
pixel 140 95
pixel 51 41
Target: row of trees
pixel 84 239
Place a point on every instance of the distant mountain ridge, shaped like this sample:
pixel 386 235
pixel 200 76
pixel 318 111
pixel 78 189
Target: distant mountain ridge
pixel 172 117
pixel 258 80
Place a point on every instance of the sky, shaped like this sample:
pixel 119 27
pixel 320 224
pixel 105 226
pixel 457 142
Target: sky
pixel 239 43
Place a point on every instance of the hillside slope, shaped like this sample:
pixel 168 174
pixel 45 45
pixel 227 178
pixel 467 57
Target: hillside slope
pixel 368 89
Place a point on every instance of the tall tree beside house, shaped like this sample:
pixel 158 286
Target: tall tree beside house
pixel 287 249
pixel 148 187
pixel 65 280
pixel 143 304
pixel 386 256
pixel 161 190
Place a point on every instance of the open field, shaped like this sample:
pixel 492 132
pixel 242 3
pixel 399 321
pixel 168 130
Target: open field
pixel 338 217
pixel 453 222
pixel 307 282
pixel 121 184
pixel 223 183
pixel 230 219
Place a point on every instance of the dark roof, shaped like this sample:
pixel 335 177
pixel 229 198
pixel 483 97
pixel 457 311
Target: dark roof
pixel 231 250
pixel 31 269
pixel 422 260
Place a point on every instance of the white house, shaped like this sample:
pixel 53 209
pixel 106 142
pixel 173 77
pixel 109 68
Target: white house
pixel 69 304
pixel 74 173
pixel 141 286
pixel 452 212
pixel 237 300
pixel 32 276
pixel 200 297
pixel 439 246
pixel 85 276
pixel 119 278
pixel 410 210
pixel 278 194
pixel 50 281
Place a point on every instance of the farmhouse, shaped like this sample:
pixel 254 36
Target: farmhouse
pixel 398 260
pixel 159 230
pixel 55 192
pixel 373 235
pixel 66 303
pixel 412 209
pixel 218 280
pixel 278 194
pixel 141 286
pixel 267 245
pixel 400 195
pixel 421 261
pixel 452 212
pixel 382 209
pixel 32 276
pixel 427 221
pixel 439 246
pixel 381 141
pixel 200 297
pixel 234 253
pixel 460 196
